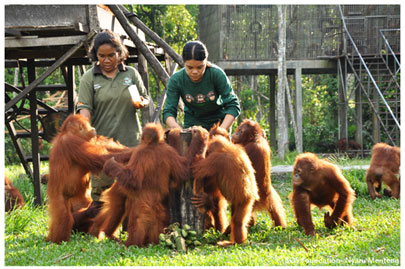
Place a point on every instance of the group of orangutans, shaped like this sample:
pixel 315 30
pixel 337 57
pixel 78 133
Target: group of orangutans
pixel 226 169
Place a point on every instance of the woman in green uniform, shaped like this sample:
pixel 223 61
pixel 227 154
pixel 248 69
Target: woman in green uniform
pixel 104 97
pixel 205 90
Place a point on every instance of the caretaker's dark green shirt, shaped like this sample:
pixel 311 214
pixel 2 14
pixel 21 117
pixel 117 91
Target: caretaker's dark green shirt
pixel 109 101
pixel 206 102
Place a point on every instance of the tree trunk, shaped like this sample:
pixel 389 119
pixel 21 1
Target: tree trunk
pixel 147 112
pixel 272 114
pixel 182 210
pixel 256 89
pixel 156 114
pixel 281 115
pixel 290 106
pixel 298 106
pixel 238 91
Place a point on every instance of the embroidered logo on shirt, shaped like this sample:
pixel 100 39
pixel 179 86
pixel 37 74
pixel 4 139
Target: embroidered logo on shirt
pixel 127 81
pixel 189 98
pixel 97 86
pixel 211 96
pixel 200 98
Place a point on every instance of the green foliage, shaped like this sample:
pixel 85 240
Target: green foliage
pixel 319 113
pixel 17 221
pixel 23 183
pixel 176 24
pixel 357 181
pixel 249 102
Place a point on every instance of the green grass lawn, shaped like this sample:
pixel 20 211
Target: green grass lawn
pixel 374 239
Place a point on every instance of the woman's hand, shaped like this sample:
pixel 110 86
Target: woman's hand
pixel 227 122
pixel 143 103
pixel 85 112
pixel 172 123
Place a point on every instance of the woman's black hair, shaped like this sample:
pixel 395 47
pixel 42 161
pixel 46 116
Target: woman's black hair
pixel 108 37
pixel 195 50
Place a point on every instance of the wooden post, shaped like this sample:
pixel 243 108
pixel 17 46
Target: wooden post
pixel 342 106
pixel 69 77
pixel 272 114
pixel 298 107
pixel 71 88
pixel 359 116
pixel 181 209
pixel 376 123
pixel 238 92
pixel 34 135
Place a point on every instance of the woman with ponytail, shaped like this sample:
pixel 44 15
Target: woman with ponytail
pixel 205 90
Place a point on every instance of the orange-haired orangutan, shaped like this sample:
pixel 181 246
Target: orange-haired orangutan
pixel 228 168
pixel 141 189
pixel 173 138
pixel 13 197
pixel 384 167
pixel 320 183
pixel 73 155
pixel 251 136
pixel 217 130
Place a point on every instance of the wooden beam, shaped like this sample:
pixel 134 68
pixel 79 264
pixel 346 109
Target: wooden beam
pixel 51 52
pixel 152 60
pixel 10 88
pixel 49 71
pixel 157 39
pixel 35 41
pixel 12 32
pixel 92 13
pixel 19 149
pixel 266 67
